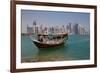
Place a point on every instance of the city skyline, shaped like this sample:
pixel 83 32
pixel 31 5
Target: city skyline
pixel 53 18
pixel 75 29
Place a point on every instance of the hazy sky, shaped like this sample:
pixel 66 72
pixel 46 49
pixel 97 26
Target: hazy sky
pixel 53 18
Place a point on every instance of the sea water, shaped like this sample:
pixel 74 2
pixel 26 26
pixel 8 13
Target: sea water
pixel 77 47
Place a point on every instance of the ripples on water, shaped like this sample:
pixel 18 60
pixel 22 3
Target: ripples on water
pixel 75 48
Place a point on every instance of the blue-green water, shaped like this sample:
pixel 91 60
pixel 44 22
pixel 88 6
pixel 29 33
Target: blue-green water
pixel 76 48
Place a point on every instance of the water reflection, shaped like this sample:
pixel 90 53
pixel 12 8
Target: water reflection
pixel 48 54
pixel 51 54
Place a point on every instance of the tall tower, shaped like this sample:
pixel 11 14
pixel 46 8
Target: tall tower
pixel 70 30
pixel 29 29
pixel 76 29
pixel 34 27
pixel 34 23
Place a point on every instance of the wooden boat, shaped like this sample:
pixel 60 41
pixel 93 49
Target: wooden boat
pixel 57 40
pixel 46 45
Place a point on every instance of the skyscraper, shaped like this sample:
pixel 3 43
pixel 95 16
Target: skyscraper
pixel 29 29
pixel 76 29
pixel 70 30
pixel 35 29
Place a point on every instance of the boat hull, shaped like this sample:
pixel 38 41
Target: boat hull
pixel 44 45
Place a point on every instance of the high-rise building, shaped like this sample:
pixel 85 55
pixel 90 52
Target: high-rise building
pixel 34 23
pixel 70 29
pixel 81 30
pixel 34 27
pixel 76 29
pixel 36 30
pixel 29 29
pixel 41 29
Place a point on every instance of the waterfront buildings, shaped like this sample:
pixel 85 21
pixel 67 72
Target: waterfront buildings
pixel 70 28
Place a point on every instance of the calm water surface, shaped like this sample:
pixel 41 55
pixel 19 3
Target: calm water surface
pixel 75 48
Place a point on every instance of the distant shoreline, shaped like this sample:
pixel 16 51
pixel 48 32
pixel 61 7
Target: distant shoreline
pixel 24 34
pixel 69 34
